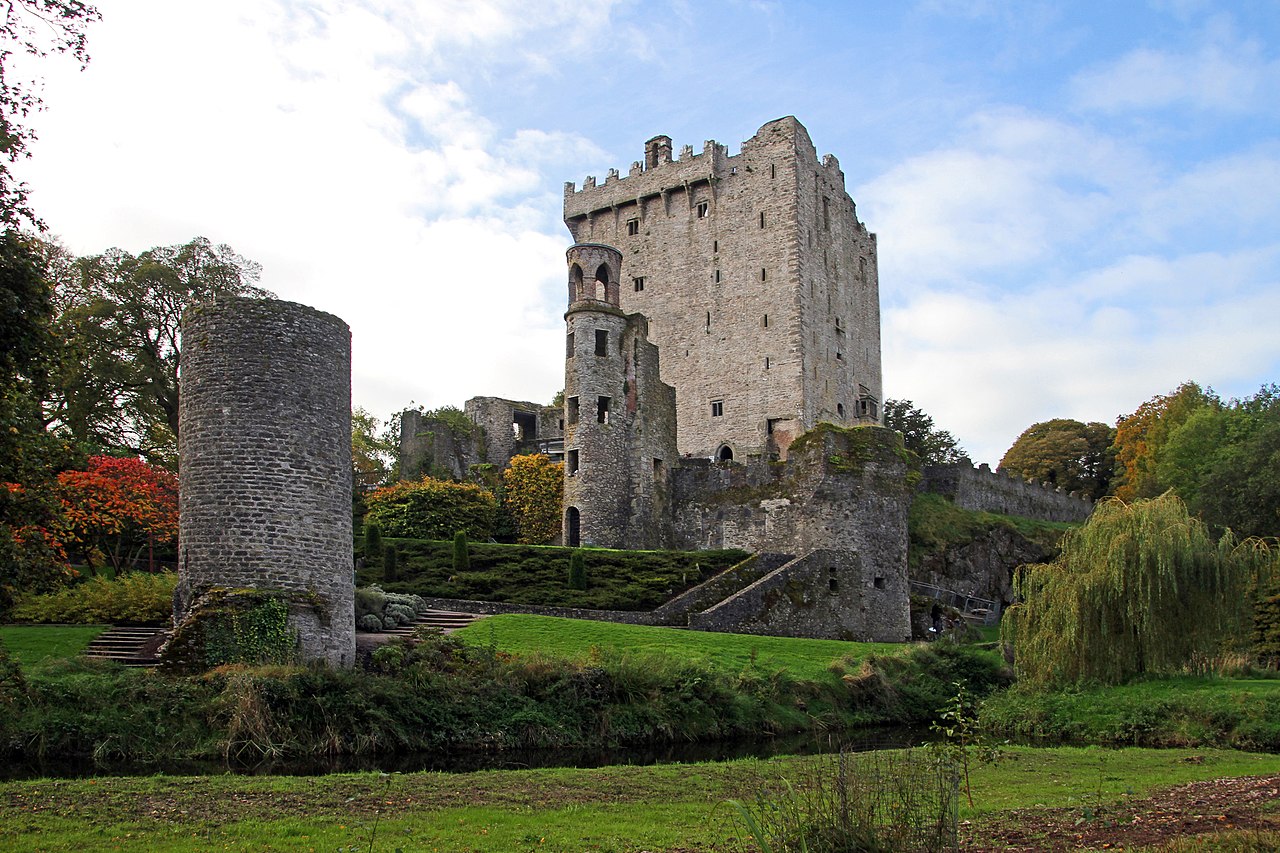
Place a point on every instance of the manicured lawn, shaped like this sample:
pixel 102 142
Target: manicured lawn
pixel 572 638
pixel 617 808
pixel 33 644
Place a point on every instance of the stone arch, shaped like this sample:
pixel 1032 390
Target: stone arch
pixel 602 282
pixel 572 527
pixel 724 454
pixel 575 283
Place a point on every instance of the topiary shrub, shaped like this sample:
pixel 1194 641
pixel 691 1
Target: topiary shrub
pixel 369 623
pixel 577 571
pixel 373 550
pixel 390 559
pixel 461 554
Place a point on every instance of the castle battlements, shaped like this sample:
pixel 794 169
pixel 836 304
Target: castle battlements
pixel 982 489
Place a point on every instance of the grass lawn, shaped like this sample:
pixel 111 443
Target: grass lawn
pixel 573 638
pixel 33 644
pixel 656 808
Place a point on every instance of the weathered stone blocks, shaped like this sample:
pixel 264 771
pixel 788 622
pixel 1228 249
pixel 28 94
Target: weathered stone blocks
pixel 265 455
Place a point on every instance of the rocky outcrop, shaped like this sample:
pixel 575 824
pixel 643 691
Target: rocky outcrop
pixel 984 565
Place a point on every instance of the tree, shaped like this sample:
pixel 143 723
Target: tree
pixel 533 494
pixel 372 452
pixel 118 508
pixel 1225 463
pixel 117 383
pixel 31 555
pixel 1072 455
pixel 36 28
pixel 932 445
pixel 1141 436
pixel 1139 588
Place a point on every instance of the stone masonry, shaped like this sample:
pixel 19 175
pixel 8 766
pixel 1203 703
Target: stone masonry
pixel 265 447
pixel 758 282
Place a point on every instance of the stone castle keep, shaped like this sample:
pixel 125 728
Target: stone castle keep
pixel 722 390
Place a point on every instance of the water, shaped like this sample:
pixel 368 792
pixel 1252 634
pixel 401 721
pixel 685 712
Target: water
pixel 861 740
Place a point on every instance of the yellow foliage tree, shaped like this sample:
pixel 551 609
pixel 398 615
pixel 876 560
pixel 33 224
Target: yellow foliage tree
pixel 534 491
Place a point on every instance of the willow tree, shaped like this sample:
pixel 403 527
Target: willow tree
pixel 1139 588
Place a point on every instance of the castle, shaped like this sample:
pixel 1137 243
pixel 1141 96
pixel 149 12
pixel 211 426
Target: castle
pixel 723 388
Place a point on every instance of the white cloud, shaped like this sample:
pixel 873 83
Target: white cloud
pixel 1225 75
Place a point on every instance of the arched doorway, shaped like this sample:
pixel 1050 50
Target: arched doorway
pixel 573 526
pixel 724 454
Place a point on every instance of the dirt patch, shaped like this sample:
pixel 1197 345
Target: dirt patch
pixel 1197 808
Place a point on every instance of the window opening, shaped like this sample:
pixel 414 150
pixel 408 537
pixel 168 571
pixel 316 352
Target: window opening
pixel 763 274
pixel 708 322
pixel 715 246
pixel 762 219
pixel 717 408
pixel 717 276
pixel 773 170
pixel 766 362
pixel 766 321
pixel 602 410
pixel 840 409
pixel 573 410
pixel 839 356
pixel 633 227
pixel 525 425
pixel 602 341
pixel 826 214
pixel 704 209
pixel 575 283
pixel 879 582
pixel 638 283
pixel 571 462
pixel 568 345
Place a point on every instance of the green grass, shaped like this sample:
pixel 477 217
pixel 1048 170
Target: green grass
pixel 731 653
pixel 620 809
pixel 35 644
pixel 533 574
pixel 1184 711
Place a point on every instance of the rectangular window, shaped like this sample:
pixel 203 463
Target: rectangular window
pixel 633 227
pixel 602 341
pixel 704 209
pixel 839 356
pixel 571 462
pixel 573 410
pixel 568 345
pixel 638 283
pixel 717 408
pixel 766 362
pixel 773 170
pixel 715 246
pixel 762 219
pixel 717 276
pixel 763 274
pixel 765 322
pixel 602 410
pixel 826 214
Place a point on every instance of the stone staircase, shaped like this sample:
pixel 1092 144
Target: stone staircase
pixel 447 621
pixel 131 646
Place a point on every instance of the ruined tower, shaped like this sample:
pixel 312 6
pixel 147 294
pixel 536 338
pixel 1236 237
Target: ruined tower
pixel 619 430
pixel 265 447
pixel 758 281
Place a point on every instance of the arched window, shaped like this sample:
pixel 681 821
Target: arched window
pixel 573 527
pixel 725 453
pixel 575 283
pixel 602 281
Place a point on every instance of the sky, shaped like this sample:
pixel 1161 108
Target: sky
pixel 1077 203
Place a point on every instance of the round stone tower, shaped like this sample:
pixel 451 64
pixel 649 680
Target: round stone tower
pixel 597 466
pixel 265 454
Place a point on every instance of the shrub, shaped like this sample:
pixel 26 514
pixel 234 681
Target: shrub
pixel 370 623
pixel 376 609
pixel 577 571
pixel 131 597
pixel 432 509
pixel 461 554
pixel 372 544
pixel 390 570
pixel 534 490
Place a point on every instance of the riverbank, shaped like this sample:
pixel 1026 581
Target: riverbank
pixel 1028 796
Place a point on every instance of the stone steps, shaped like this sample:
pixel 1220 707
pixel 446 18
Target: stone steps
pixel 127 645
pixel 447 621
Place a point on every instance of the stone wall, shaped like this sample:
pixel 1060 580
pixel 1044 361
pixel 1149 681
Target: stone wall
pixel 432 447
pixel 981 489
pixel 832 594
pixel 758 281
pixel 265 450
